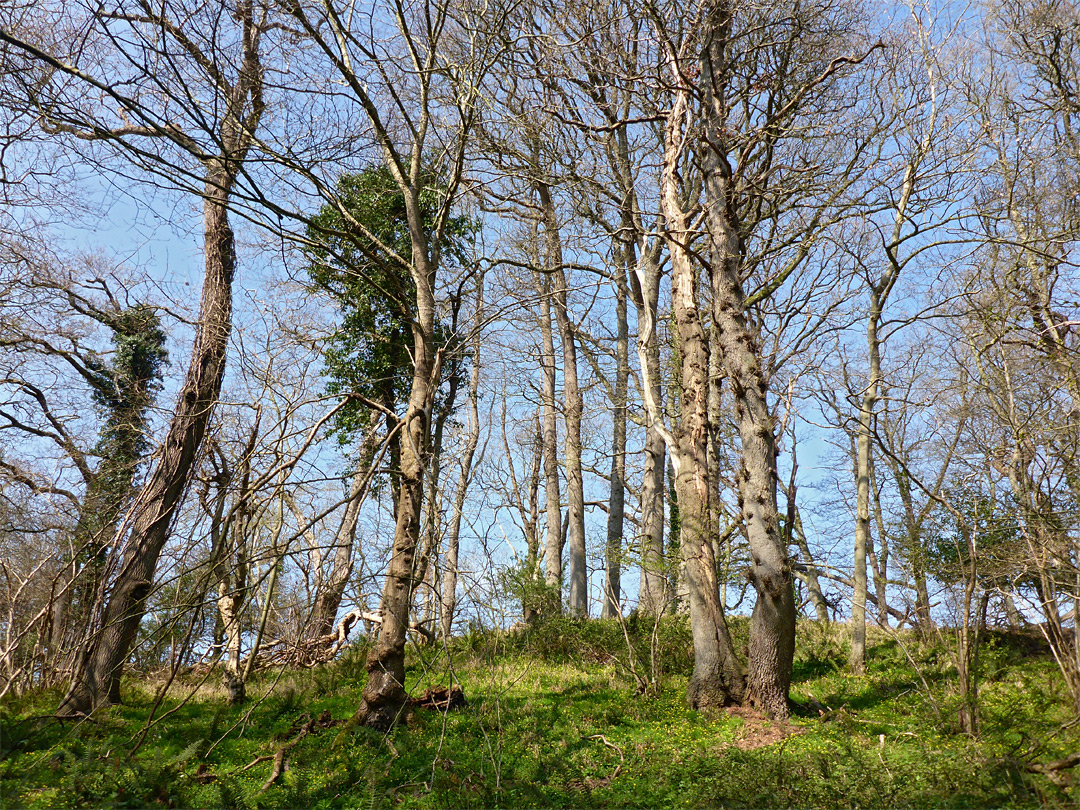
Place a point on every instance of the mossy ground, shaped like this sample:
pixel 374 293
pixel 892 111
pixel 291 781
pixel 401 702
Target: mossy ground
pixel 554 720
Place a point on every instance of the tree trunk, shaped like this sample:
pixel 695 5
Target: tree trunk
pixel 867 404
pixel 613 550
pixel 552 498
pixel 425 573
pixel 772 624
pixel 578 596
pixel 330 593
pixel 717 679
pixel 645 285
pixel 97 681
pixel 126 392
pixel 878 554
pixel 448 589
pixel 384 696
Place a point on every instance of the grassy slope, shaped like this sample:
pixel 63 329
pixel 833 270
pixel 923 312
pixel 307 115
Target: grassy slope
pixel 528 736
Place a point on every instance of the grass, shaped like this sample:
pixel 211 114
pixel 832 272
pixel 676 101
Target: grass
pixel 548 727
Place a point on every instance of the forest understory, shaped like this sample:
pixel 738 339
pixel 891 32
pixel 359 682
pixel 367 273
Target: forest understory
pixel 561 715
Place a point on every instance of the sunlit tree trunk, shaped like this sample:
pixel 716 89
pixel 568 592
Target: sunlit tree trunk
pixel 717 679
pixel 553 538
pixel 98 680
pixel 772 627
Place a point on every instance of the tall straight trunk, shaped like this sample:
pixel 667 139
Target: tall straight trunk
pixel 550 449
pixel 772 625
pixel 640 254
pixel 448 588
pixel 715 416
pixel 879 555
pixel 654 598
pixel 645 286
pixel 613 550
pixel 425 572
pixel 578 595
pixel 97 679
pixel 867 405
pixel 717 679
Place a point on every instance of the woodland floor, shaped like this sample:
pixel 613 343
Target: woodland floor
pixel 554 718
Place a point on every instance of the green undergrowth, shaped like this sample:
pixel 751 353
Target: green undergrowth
pixel 557 718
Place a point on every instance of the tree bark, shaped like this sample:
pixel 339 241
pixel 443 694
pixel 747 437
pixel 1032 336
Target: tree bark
pixel 613 550
pixel 552 499
pixel 645 286
pixel 384 696
pixel 577 601
pixel 867 404
pixel 772 627
pixel 717 679
pixel 97 681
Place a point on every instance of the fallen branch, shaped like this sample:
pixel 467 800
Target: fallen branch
pixel 279 757
pixel 440 698
pixel 1052 770
pixel 593 783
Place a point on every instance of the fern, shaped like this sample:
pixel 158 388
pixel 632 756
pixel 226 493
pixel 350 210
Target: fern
pixel 191 751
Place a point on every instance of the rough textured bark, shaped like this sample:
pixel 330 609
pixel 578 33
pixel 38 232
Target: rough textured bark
pixel 772 628
pixel 98 681
pixel 717 679
pixel 125 390
pixel 384 696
